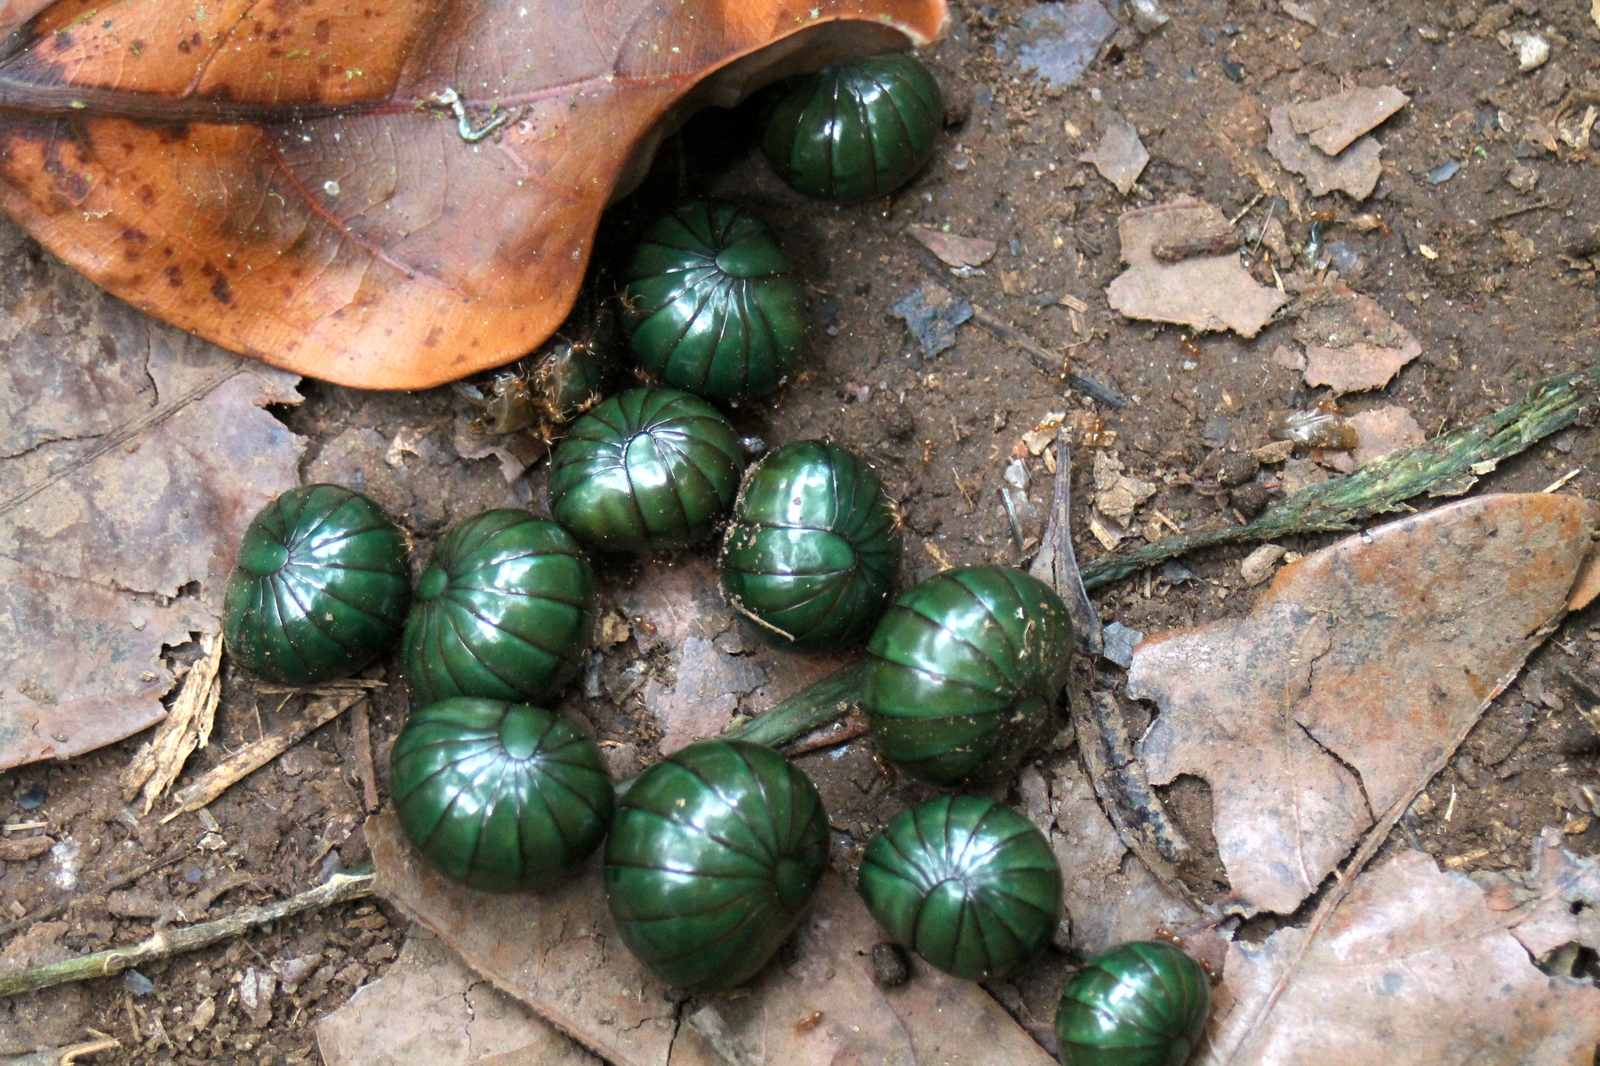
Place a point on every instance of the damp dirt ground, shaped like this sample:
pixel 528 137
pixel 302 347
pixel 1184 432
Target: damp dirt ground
pixel 1493 271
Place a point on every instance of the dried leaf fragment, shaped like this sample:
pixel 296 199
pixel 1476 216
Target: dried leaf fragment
pixel 1334 122
pixel 1207 292
pixel 1352 343
pixel 1413 969
pixel 430 1009
pixel 1355 170
pixel 1373 655
pixel 111 510
pixel 953 249
pixel 1120 157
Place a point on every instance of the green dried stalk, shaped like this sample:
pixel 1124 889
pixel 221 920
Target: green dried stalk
pixel 1382 485
pixel 352 884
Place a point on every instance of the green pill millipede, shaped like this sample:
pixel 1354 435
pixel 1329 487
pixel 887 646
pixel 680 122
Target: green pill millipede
pixel 649 468
pixel 813 548
pixel 321 588
pixel 856 130
pixel 501 796
pixel 504 610
pixel 710 305
pixel 1140 1004
pixel 968 883
pixel 964 672
pixel 715 853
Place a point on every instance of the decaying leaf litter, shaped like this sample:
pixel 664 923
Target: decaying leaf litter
pixel 1202 416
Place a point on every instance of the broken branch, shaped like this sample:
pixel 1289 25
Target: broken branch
pixel 1384 484
pixel 163 943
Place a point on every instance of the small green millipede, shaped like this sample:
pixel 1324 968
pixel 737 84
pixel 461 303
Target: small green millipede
pixel 856 130
pixel 504 610
pixel 321 587
pixel 964 672
pixel 710 305
pixel 968 883
pixel 1142 1003
pixel 648 468
pixel 715 853
pixel 813 549
pixel 500 796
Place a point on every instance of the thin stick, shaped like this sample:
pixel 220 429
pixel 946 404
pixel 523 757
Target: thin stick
pixel 258 753
pixel 164 943
pixel 1045 359
pixel 1336 505
pixel 361 737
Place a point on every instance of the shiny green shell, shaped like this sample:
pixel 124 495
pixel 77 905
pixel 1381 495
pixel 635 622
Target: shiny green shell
pixel 650 468
pixel 710 305
pixel 321 587
pixel 966 882
pixel 856 130
pixel 715 853
pixel 1140 1004
pixel 504 610
pixel 502 796
pixel 813 548
pixel 965 671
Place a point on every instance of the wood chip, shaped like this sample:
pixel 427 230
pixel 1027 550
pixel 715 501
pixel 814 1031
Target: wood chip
pixel 258 753
pixel 186 727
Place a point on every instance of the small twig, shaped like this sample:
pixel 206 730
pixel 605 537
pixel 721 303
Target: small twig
pixel 852 725
pixel 1336 505
pixel 186 727
pixel 258 753
pixel 1045 359
pixel 1057 564
pixel 167 942
pixel 361 738
pixel 1514 212
pixel 63 1056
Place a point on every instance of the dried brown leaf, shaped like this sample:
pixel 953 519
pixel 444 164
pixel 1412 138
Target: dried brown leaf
pixel 132 457
pixel 1207 292
pixel 1333 122
pixel 430 1009
pixel 1412 970
pixel 1369 658
pixel 1355 170
pixel 393 195
pixel 559 953
pixel 954 250
pixel 1120 157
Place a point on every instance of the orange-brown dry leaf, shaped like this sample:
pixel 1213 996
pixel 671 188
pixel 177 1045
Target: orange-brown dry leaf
pixel 1367 658
pixel 559 953
pixel 284 180
pixel 1413 969
pixel 429 1009
pixel 132 457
